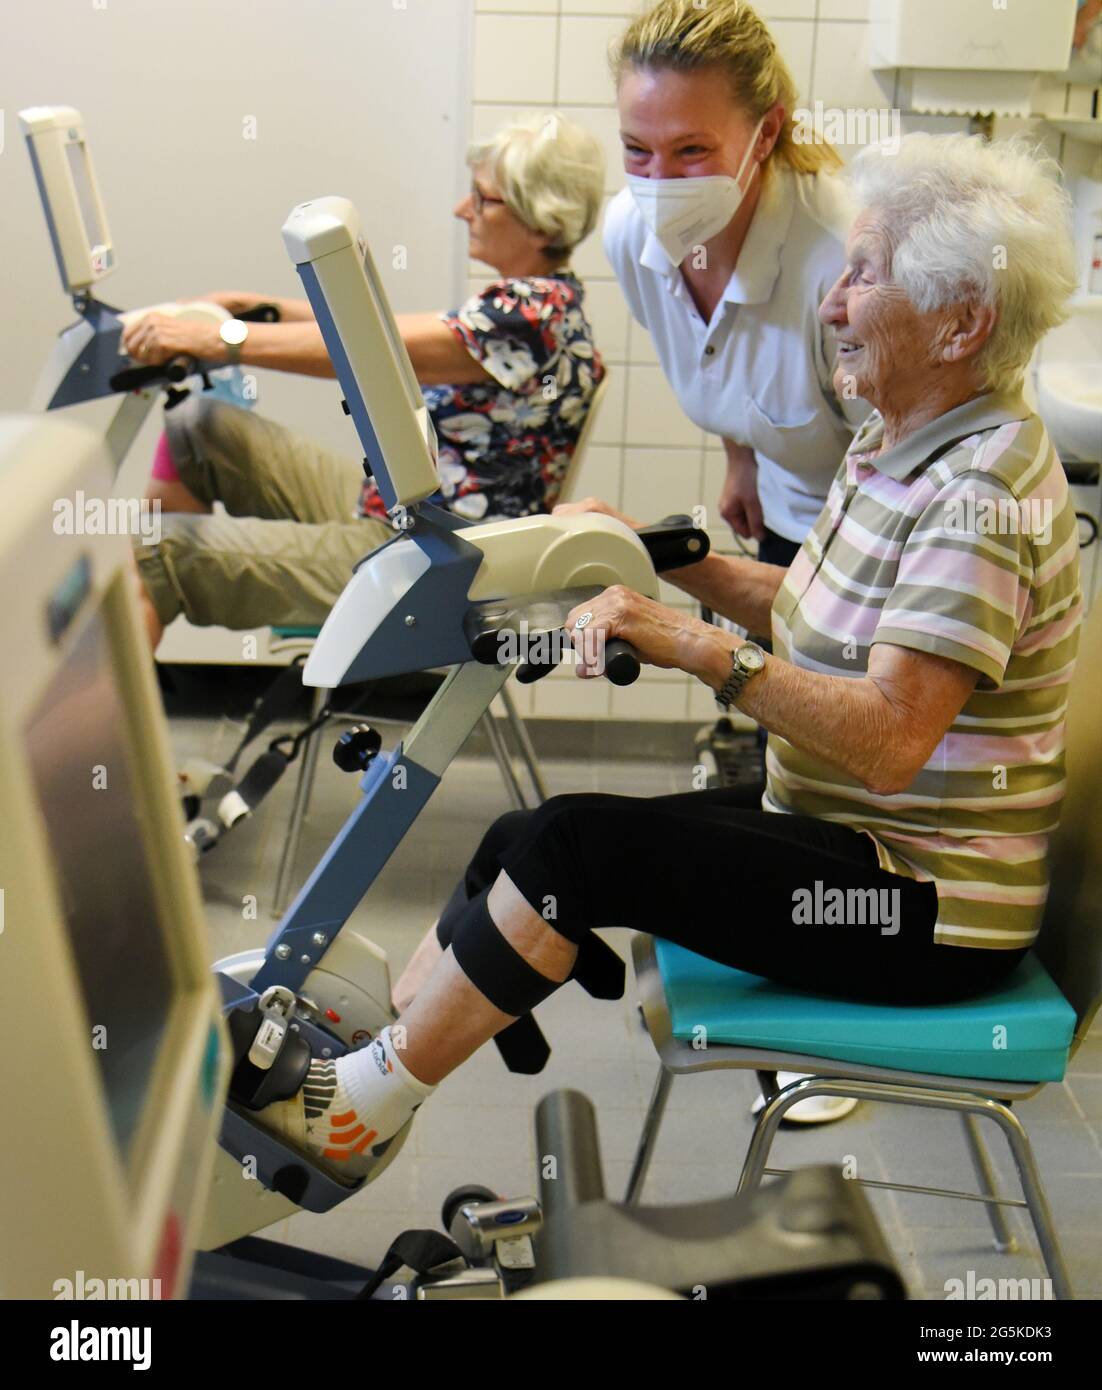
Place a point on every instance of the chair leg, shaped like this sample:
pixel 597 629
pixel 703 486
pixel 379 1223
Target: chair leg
pixel 303 790
pixel 1005 1240
pixel 777 1104
pixel 500 752
pixel 1034 1192
pixel 767 1080
pixel 524 743
pixel 1032 1187
pixel 649 1136
pixel 761 1142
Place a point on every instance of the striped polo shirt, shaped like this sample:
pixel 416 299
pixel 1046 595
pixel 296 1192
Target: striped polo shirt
pixel 960 541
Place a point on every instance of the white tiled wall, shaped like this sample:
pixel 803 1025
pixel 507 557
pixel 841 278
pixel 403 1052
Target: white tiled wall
pixel 646 456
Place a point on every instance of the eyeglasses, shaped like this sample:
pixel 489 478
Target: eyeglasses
pixel 480 199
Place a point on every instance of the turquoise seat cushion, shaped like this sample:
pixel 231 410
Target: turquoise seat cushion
pixel 295 631
pixel 1019 1032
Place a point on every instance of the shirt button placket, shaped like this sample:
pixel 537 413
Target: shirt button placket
pixel 851 489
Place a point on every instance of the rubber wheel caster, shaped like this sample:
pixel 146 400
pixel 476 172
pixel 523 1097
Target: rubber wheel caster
pixel 459 1197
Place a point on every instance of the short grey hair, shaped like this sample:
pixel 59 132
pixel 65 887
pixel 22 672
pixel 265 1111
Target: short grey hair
pixel 551 174
pixel 976 220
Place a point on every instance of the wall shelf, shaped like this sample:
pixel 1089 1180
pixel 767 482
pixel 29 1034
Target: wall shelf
pixel 1085 128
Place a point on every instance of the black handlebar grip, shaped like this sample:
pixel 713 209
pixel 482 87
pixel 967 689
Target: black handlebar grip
pixel 674 542
pixel 621 662
pixel 260 313
pixel 486 647
pixel 621 665
pixel 132 378
pixel 530 671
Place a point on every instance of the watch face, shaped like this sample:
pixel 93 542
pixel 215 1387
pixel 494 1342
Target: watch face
pixel 234 332
pixel 751 658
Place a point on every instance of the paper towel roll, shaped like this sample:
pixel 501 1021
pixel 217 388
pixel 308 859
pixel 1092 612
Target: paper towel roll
pixel 957 92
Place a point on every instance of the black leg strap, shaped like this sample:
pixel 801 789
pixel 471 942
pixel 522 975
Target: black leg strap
pixel 598 969
pixel 493 966
pixel 523 1047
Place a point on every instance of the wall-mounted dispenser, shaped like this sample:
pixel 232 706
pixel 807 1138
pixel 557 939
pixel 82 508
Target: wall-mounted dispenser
pixel 962 57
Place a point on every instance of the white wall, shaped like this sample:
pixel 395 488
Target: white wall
pixel 365 98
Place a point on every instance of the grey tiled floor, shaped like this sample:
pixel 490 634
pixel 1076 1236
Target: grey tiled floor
pixel 478 1127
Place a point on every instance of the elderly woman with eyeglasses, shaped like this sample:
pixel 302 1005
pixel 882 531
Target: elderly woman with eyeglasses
pixel 923 641
pixel 289 537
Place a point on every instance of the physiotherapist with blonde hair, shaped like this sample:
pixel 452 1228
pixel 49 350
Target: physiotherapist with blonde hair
pixel 725 242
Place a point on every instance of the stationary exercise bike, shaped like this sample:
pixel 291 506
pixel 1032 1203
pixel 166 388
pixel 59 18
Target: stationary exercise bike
pixel 87 362
pixel 445 593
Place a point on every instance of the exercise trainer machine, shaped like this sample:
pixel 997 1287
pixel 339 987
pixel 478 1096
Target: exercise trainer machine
pixel 442 593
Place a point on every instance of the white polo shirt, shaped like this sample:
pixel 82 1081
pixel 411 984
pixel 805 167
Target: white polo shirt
pixel 760 372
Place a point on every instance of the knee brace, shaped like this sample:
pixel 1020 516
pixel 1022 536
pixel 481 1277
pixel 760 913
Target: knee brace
pixel 493 966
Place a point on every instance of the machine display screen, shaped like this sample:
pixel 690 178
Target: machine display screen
pixel 78 170
pixel 398 350
pixel 84 775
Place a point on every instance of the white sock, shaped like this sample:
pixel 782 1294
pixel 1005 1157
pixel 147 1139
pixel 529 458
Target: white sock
pixel 348 1111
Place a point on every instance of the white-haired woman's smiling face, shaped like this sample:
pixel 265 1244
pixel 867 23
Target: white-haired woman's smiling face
pixel 882 339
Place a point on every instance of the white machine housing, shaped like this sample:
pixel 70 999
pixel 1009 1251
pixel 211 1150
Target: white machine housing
pixel 527 555
pixel 113 1057
pixel 70 195
pixel 325 233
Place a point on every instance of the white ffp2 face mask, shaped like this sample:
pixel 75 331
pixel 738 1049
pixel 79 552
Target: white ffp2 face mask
pixel 683 213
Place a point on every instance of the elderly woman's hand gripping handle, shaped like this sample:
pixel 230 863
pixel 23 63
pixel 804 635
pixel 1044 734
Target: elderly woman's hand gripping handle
pixel 657 634
pixel 880 728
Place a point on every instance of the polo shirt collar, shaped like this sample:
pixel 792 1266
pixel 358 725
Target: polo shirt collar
pixel 984 412
pixel 759 261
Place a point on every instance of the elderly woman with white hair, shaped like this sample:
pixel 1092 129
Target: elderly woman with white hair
pixel 289 537
pixel 923 642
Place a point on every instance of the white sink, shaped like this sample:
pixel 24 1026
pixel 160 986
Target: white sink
pixel 1069 397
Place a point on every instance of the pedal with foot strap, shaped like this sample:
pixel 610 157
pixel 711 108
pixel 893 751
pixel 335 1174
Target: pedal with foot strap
pixel 273 1047
pixel 270 1058
pixel 233 799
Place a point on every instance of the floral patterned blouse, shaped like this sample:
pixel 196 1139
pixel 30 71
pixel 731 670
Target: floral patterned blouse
pixel 505 445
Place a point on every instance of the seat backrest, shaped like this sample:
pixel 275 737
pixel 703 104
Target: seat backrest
pixel 1070 943
pixel 574 467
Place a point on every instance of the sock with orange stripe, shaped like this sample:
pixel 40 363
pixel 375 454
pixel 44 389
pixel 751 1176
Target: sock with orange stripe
pixel 348 1110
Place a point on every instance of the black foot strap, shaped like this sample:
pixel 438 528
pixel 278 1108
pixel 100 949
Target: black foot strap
pixel 421 1251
